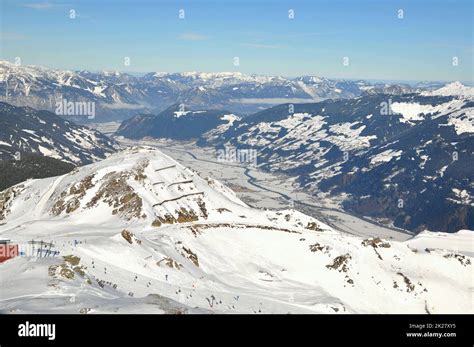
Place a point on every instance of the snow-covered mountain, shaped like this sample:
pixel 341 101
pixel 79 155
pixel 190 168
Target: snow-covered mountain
pixel 408 158
pixel 25 130
pixel 453 89
pixel 176 123
pixel 118 96
pixel 112 93
pixel 138 232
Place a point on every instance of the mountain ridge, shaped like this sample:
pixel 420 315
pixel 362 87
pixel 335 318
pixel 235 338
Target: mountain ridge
pixel 119 96
pixel 24 129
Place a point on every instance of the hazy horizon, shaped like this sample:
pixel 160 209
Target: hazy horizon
pixel 371 80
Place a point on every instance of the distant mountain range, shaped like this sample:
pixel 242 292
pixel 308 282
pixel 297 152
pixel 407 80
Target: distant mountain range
pixel 118 96
pixel 408 158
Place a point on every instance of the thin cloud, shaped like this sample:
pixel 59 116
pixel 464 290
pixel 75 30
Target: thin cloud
pixel 193 37
pixel 39 5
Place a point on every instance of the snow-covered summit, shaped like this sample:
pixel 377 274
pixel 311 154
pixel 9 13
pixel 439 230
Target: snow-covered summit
pixel 143 186
pixel 453 89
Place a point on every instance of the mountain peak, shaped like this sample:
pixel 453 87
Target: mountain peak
pixel 455 88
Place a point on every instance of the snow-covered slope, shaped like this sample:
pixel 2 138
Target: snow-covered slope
pixel 138 232
pixel 453 89
pixel 176 123
pixel 461 242
pixel 378 149
pixel 25 130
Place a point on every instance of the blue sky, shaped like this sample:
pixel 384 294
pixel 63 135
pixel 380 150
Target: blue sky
pixel 379 45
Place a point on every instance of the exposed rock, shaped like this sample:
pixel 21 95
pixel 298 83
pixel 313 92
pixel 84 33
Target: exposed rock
pixel 410 286
pixel 6 199
pixel 313 226
pixel 202 206
pixel 183 216
pixel 170 263
pixel 375 243
pixel 191 256
pixel 70 200
pixel 465 261
pixel 68 268
pixel 117 193
pixel 317 247
pixel 156 223
pixel 140 171
pixel 127 235
pixel 340 263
